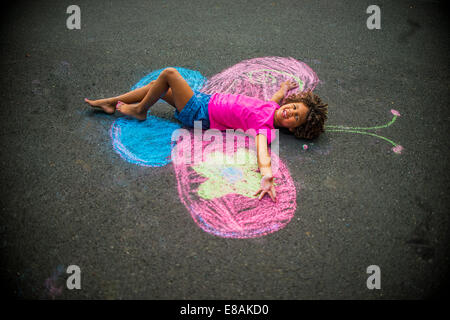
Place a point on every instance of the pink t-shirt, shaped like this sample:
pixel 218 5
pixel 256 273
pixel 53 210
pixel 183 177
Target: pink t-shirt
pixel 235 111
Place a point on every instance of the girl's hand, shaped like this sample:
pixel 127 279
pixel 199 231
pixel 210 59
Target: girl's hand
pixel 288 85
pixel 267 187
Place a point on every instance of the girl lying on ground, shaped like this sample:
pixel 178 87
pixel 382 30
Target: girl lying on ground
pixel 303 114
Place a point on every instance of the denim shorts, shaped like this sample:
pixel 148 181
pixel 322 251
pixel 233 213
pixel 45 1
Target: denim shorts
pixel 196 109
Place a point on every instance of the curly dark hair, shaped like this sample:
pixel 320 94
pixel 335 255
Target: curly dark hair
pixel 316 117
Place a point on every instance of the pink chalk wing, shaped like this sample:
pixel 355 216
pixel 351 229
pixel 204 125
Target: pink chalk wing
pixel 233 215
pixel 262 77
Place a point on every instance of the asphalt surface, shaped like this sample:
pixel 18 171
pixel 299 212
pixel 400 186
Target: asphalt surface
pixel 68 199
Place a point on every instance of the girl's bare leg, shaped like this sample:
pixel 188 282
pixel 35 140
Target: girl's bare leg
pixel 169 78
pixel 109 104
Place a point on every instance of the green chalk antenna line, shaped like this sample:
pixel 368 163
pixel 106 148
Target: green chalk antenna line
pixel 357 130
pixel 368 128
pixel 367 133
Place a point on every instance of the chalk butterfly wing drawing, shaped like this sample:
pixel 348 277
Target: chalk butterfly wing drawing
pixel 217 187
pixel 220 200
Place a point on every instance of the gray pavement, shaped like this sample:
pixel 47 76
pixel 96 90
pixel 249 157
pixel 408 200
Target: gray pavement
pixel 68 198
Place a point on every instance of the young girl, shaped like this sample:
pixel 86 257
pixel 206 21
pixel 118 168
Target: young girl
pixel 303 113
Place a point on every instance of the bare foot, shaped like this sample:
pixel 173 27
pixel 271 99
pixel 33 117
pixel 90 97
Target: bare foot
pixel 132 110
pixel 104 104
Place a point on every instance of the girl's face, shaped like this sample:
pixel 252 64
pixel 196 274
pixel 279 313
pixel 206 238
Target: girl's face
pixel 291 115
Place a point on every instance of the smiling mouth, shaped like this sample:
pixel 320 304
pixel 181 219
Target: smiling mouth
pixel 284 114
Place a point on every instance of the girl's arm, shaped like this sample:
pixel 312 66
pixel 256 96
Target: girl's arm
pixel 284 88
pixel 265 168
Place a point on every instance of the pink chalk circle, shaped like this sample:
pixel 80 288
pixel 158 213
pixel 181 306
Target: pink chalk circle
pixel 395 112
pixel 262 77
pixel 217 183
